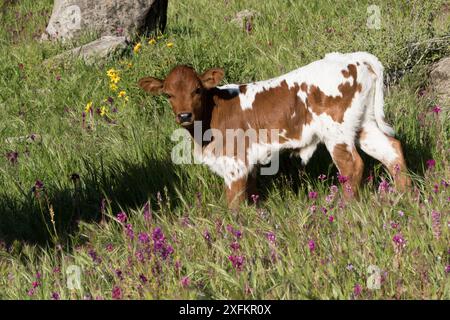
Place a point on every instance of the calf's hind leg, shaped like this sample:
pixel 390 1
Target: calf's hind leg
pixel 350 165
pixel 388 151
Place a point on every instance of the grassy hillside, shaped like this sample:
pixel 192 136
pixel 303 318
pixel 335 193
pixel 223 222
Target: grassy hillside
pixel 65 176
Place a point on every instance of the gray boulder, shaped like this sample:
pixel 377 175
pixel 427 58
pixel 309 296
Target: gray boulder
pixel 71 18
pixel 440 80
pixel 92 52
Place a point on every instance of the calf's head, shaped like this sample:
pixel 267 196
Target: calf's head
pixel 185 89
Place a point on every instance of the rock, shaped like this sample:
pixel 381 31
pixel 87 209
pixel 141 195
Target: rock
pixel 93 51
pixel 440 80
pixel 243 16
pixel 72 18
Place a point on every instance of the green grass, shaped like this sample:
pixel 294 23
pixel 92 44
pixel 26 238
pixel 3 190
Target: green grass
pixel 126 163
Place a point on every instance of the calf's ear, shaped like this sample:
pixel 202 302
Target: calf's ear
pixel 212 77
pixel 151 85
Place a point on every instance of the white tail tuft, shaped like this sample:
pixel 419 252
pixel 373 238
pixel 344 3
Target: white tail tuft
pixel 378 101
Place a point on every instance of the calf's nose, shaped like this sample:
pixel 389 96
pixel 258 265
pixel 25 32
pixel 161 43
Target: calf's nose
pixel 185 117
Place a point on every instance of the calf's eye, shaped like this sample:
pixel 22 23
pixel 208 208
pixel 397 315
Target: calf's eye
pixel 197 91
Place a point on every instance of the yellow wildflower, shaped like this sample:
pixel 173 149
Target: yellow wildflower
pixel 113 87
pixel 152 41
pixel 115 79
pixel 103 111
pixel 129 65
pixel 126 98
pixel 111 73
pixel 122 94
pixel 88 107
pixel 137 47
pixel 169 44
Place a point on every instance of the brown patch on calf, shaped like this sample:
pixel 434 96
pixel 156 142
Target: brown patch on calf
pixel 350 165
pixel 398 168
pixel 243 89
pixel 335 106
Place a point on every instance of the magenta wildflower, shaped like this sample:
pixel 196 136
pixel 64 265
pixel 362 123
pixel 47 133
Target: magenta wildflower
pixel 394 225
pixel 235 246
pixel 143 237
pixel 109 247
pixel 436 224
pixel 313 208
pixel 35 284
pixel 431 163
pixel 237 262
pixel 93 254
pixel 38 185
pixel 122 217
pixel 116 293
pixel 12 156
pixel 31 292
pixel 444 183
pixel 185 282
pixel 357 289
pixel 55 296
pixel 129 231
pixel 312 195
pixel 159 243
pixel 399 240
pixel 143 278
pixel 342 179
pixel 255 198
pixel 384 187
pixel 322 177
pixel 271 237
pixel 207 236
pixel 436 109
pixel 58 77
pixel 311 245
pixel 401 213
pixel 447 269
pixel 331 218
pixel 147 212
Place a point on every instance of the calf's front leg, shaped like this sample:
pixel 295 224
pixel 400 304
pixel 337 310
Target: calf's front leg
pixel 236 192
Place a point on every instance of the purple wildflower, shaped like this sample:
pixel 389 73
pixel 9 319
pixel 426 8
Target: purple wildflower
pixel 147 212
pixel 357 289
pixel 31 292
pixel 255 198
pixel 116 293
pixel 436 109
pixel 143 237
pixel 342 179
pixel 447 269
pixel 431 163
pixel 311 245
pixel 235 246
pixel 55 296
pixel 185 282
pixel 12 156
pixel 399 240
pixel 331 218
pixel 109 247
pixel 207 236
pixel 436 224
pixel 312 195
pixel 129 231
pixel 322 177
pixel 143 278
pixel 237 262
pixel 122 217
pixel 271 237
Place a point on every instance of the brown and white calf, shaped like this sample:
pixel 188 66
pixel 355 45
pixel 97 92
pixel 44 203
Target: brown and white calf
pixel 337 101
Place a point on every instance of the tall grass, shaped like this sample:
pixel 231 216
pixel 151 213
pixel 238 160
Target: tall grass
pixel 72 174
